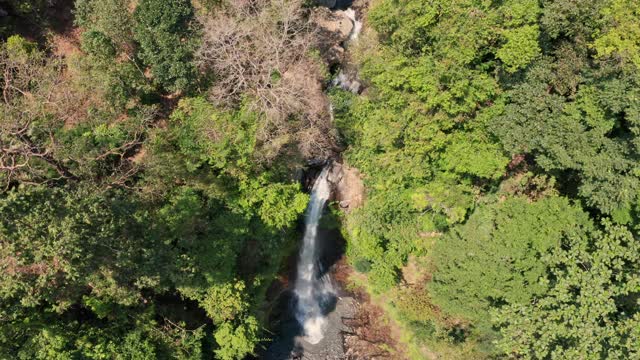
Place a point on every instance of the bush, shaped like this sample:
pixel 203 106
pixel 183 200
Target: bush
pixel 423 330
pixel 98 44
pixel 236 342
pixel 225 302
pixel 362 265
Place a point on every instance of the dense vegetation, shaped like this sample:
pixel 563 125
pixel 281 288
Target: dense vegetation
pixel 134 226
pixel 149 198
pixel 499 143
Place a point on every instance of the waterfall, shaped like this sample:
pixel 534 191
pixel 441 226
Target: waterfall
pixel 312 288
pixel 348 80
pixel 357 24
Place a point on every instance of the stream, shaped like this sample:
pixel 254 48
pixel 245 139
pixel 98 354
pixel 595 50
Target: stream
pixel 312 325
pixel 313 287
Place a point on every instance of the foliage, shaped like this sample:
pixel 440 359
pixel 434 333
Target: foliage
pixel 148 191
pixel 235 343
pixel 495 258
pixel 277 204
pixel 591 308
pixel 225 140
pixel 520 49
pixel 164 31
pixel 578 135
pixel 124 235
pixel 97 44
pixel 111 18
pixel 225 302
pixel 621 36
pixel 509 128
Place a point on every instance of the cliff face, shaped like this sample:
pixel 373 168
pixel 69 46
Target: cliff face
pixel 348 188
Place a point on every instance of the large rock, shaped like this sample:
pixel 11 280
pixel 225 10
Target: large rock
pixel 348 188
pixel 334 54
pixel 334 29
pixel 336 24
pixel 328 3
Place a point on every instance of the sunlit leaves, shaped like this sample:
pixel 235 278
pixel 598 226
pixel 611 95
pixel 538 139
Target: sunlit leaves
pixel 620 36
pixel 521 47
pixel 591 308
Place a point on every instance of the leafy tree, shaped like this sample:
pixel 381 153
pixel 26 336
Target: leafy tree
pixel 590 310
pixel 225 302
pixel 621 34
pixel 497 257
pixel 48 236
pixel 576 136
pixel 164 31
pixel 236 342
pixel 521 47
pixel 475 157
pixel 98 45
pixel 565 19
pixel 112 18
pixel 223 139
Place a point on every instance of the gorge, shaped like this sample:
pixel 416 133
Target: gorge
pixel 317 305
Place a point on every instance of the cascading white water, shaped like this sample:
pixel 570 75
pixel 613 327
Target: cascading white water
pixel 357 24
pixel 348 80
pixel 314 289
pixel 311 288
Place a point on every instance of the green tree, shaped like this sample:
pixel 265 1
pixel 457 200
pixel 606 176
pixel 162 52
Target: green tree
pixel 621 33
pixel 582 135
pixel 236 342
pixel 521 47
pixel 165 34
pixel 225 302
pixel 109 17
pixel 497 257
pixel 591 308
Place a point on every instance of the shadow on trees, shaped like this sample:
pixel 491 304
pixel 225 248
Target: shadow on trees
pixel 34 19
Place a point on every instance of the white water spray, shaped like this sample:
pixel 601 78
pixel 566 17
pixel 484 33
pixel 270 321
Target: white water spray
pixel 311 288
pixel 345 79
pixel 357 24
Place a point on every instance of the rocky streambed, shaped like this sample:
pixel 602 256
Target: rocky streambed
pixel 340 314
pixel 338 25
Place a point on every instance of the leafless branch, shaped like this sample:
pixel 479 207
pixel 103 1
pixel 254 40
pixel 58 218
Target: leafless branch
pixel 261 50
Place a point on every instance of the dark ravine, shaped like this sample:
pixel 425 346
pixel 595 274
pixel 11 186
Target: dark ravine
pixel 294 338
pixel 290 340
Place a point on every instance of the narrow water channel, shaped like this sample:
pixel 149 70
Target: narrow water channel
pixel 313 288
pixel 311 327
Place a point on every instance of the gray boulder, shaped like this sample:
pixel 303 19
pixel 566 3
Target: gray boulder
pixel 328 3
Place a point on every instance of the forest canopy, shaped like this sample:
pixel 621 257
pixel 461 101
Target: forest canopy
pixel 151 152
pixel 499 145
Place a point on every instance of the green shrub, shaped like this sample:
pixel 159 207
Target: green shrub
pixel 98 44
pixel 362 265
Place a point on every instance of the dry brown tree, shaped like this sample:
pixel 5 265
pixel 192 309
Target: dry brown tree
pixel 31 92
pixel 261 51
pixel 38 103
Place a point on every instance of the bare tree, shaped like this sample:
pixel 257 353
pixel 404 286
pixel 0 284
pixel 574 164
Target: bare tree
pixel 37 104
pixel 261 50
pixel 29 97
